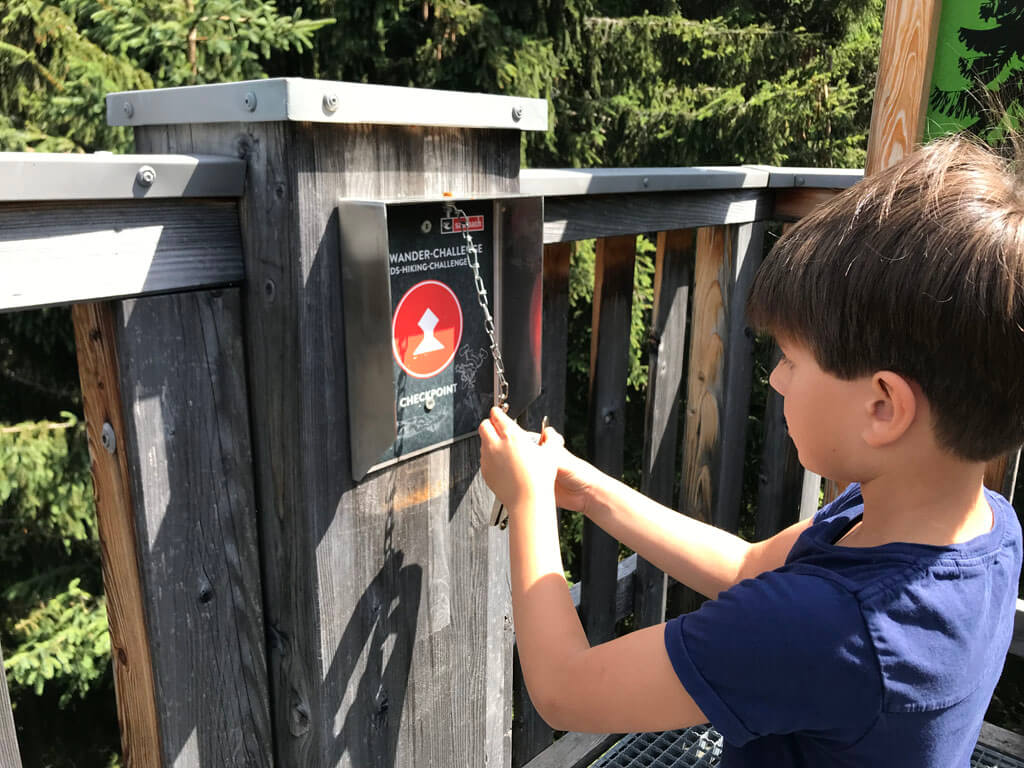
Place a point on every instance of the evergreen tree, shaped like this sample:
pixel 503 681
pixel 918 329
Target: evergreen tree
pixel 57 62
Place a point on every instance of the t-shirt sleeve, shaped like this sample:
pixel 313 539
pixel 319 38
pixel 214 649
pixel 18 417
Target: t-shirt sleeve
pixel 781 653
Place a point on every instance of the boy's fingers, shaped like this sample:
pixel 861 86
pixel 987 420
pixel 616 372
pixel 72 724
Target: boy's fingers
pixel 503 425
pixel 487 432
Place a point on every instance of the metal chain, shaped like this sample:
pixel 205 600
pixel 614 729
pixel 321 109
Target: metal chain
pixel 481 297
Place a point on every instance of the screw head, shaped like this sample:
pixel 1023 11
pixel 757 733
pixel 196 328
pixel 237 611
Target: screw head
pixel 646 181
pixel 146 176
pixel 108 438
pixel 129 110
pixel 426 226
pixel 250 101
pixel 517 113
pixel 331 102
pixel 428 404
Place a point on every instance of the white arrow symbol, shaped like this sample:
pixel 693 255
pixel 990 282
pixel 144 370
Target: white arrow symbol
pixel 427 324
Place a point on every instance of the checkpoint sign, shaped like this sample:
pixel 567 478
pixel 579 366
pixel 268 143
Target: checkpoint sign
pixel 443 372
pixel 426 329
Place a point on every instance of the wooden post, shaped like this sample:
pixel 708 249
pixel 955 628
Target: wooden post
pixel 386 601
pixel 134 685
pixel 9 755
pixel 780 475
pixel 904 80
pixel 609 368
pixel 672 273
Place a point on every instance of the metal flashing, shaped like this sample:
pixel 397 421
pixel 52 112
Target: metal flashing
pixel 324 101
pixel 28 176
pixel 611 181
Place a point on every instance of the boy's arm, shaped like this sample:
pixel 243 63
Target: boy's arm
pixel 624 685
pixel 701 556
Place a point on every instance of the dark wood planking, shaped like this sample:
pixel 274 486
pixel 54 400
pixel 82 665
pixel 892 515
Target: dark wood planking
pixel 530 734
pixel 9 755
pixel 386 602
pixel 61 252
pixel 584 216
pixel 744 257
pixel 672 275
pixel 182 371
pixel 574 750
pixel 780 476
pixel 134 683
pixel 609 368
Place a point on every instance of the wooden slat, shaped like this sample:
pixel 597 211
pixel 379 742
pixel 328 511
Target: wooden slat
pixel 625 580
pixel 530 734
pixel 9 755
pixel 780 476
pixel 574 750
pixel 182 369
pixel 1002 740
pixel 672 273
pixel 134 684
pixel 58 253
pixel 609 367
pixel 744 259
pixel 579 217
pixel 386 602
pixel 793 204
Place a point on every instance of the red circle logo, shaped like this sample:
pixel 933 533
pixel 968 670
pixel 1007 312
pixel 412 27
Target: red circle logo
pixel 426 329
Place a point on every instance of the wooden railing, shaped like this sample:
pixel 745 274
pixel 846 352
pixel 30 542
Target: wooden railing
pixel 710 225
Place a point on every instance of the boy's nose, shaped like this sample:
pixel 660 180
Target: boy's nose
pixel 775 379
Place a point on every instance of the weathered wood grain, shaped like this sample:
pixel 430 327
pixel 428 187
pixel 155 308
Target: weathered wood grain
pixel 744 258
pixel 718 382
pixel 581 217
pixel 389 624
pixel 904 79
pixel 574 750
pixel 9 755
pixel 530 734
pixel 625 589
pixel 57 253
pixel 672 273
pixel 134 683
pixel 795 203
pixel 606 423
pixel 187 444
pixel 780 476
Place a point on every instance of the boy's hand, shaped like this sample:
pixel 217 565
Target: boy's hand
pixel 513 465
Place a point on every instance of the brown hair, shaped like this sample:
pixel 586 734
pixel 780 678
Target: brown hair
pixel 920 270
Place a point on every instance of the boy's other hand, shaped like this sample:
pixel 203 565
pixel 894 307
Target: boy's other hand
pixel 514 466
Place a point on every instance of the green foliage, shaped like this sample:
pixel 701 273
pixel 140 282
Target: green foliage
pixel 63 641
pixel 59 60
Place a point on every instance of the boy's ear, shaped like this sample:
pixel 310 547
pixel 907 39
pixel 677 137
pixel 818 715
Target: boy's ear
pixel 891 409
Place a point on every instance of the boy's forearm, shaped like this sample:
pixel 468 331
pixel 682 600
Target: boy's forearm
pixel 706 559
pixel 548 629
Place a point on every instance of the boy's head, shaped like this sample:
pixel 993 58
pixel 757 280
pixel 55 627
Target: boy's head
pixel 917 270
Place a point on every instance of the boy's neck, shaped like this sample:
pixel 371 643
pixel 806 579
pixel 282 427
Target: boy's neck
pixel 938 503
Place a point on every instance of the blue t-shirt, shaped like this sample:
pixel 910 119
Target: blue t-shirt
pixel 855 656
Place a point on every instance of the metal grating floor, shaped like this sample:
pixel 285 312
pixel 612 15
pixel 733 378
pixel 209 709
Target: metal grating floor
pixel 701 747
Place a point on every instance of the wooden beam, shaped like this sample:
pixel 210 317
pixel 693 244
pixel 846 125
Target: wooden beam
pixel 134 684
pixel 793 204
pixel 606 422
pixel 672 274
pixel 904 80
pixel 574 750
pixel 59 253
pixel 186 443
pixel 581 217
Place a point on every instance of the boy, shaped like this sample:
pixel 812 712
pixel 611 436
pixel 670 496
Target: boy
pixel 874 633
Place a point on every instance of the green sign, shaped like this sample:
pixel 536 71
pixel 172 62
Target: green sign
pixel 979 69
